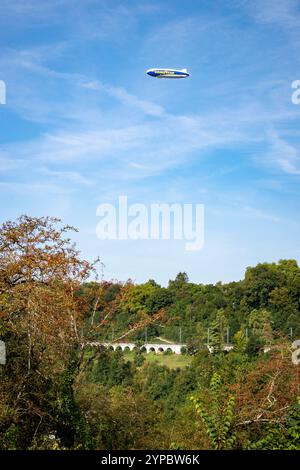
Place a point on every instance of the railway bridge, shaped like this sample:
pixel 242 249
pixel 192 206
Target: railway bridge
pixel 149 347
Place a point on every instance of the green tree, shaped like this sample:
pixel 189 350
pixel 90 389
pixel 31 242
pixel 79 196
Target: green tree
pixel 218 331
pixel 259 323
pixel 218 417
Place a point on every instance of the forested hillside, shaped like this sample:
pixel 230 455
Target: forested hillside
pixel 256 311
pixel 57 392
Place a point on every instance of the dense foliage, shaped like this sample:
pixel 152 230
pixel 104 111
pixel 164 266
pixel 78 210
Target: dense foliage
pixel 58 392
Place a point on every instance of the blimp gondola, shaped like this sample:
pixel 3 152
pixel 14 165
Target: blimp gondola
pixel 168 73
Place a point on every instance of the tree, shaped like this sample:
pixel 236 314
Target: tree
pixel 40 318
pixel 282 436
pixel 259 283
pixel 182 278
pixel 240 341
pixel 218 331
pixel 260 326
pixel 218 417
pixel 283 308
pixel 265 393
pixel 120 418
pixel 40 273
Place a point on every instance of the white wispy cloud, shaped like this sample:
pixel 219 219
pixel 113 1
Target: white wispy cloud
pixel 126 98
pixel 258 213
pixel 71 176
pixel 284 155
pixel 146 142
pixel 284 13
pixel 8 163
pixel 90 20
pixel 31 10
pixel 32 188
pixel 150 146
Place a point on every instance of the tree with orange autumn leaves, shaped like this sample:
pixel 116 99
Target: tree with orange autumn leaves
pixel 41 319
pixel 242 410
pixel 40 272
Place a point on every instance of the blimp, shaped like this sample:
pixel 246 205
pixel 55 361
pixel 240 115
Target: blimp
pixel 168 73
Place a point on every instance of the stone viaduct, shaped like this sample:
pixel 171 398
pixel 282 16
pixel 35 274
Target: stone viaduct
pixel 149 347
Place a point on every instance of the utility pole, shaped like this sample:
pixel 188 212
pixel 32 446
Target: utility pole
pixel 207 336
pixel 180 335
pixel 291 333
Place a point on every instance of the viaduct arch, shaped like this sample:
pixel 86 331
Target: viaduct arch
pixel 149 347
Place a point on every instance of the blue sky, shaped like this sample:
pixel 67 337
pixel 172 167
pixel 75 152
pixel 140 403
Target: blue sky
pixel 83 124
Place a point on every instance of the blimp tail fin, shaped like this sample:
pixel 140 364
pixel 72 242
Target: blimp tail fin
pixel 184 70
